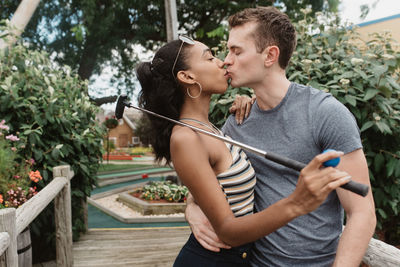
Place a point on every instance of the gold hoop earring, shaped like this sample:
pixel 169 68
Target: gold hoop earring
pixel 188 92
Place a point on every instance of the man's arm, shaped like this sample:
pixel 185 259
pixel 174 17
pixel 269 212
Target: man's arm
pixel 201 227
pixel 360 213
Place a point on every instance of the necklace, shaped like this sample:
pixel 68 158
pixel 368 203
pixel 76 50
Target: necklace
pixel 211 127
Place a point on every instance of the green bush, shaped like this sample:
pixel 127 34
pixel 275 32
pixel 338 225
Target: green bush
pixel 364 76
pixel 48 107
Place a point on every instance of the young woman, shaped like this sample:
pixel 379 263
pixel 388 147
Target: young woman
pixel 178 83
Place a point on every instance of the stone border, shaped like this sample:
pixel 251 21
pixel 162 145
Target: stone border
pixel 146 208
pixel 91 201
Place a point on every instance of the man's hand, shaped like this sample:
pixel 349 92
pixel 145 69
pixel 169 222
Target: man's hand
pixel 202 228
pixel 241 107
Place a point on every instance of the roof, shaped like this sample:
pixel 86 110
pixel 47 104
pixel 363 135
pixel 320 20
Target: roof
pixel 378 20
pixel 129 122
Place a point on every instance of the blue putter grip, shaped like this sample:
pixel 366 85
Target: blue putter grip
pixel 355 187
pixel 332 162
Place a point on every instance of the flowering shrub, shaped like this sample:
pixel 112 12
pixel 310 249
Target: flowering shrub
pixel 164 190
pixel 16 175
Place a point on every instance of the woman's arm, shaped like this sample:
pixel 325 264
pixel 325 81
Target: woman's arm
pixel 191 162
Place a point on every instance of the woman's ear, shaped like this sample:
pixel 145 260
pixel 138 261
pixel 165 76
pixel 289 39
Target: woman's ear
pixel 185 77
pixel 271 54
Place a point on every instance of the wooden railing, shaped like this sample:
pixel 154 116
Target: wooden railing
pixel 380 254
pixel 14 221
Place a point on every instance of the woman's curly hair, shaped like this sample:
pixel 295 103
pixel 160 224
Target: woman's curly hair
pixel 162 94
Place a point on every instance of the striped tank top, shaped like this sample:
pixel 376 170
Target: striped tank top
pixel 238 182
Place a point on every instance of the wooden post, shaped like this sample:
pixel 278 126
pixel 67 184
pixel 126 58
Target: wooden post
pixel 381 254
pixel 171 20
pixel 4 242
pixel 8 224
pixel 63 219
pixel 19 21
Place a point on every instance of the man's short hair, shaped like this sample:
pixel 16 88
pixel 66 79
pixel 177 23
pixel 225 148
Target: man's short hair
pixel 273 28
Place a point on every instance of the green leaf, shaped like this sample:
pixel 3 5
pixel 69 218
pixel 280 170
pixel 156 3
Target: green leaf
pixel 382 213
pixel 379 162
pixel 370 94
pixel 379 70
pixel 351 100
pixel 367 125
pixel 397 169
pixel 383 127
pixel 391 165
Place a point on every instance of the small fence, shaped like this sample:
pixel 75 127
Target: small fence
pixel 14 221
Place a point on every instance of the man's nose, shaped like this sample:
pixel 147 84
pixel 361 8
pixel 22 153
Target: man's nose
pixel 228 60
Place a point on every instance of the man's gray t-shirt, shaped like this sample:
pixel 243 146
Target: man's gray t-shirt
pixel 306 122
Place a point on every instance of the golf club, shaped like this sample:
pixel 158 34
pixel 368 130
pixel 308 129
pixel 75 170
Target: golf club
pixel 122 102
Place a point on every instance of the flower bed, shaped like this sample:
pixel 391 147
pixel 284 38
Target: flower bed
pixel 119 157
pixel 165 190
pixel 17 179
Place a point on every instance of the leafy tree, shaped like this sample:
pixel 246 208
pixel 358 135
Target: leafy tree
pixel 88 35
pixel 364 76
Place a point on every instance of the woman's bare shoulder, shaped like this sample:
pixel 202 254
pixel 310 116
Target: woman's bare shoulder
pixel 182 136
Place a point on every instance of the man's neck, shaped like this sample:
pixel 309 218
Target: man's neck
pixel 271 91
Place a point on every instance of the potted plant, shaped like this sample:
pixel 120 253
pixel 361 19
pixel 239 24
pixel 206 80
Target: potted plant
pixel 110 123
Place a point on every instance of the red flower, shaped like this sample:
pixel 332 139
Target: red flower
pixel 1 199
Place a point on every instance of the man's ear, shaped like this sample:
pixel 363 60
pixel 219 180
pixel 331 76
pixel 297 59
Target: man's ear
pixel 185 77
pixel 271 54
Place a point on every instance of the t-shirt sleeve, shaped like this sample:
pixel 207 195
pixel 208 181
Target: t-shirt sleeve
pixel 334 126
pixel 228 125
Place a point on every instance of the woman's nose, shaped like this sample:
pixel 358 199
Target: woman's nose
pixel 220 63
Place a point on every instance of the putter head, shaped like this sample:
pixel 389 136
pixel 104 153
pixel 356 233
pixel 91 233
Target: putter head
pixel 121 103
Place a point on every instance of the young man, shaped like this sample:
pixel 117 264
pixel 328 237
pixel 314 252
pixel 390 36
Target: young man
pixel 298 122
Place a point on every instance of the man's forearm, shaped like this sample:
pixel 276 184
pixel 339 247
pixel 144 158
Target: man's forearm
pixel 354 241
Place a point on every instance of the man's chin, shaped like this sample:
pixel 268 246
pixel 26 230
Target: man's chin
pixel 235 84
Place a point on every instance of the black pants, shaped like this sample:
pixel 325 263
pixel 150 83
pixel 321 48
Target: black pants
pixel 194 255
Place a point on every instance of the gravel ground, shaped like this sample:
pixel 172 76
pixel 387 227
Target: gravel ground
pixel 122 210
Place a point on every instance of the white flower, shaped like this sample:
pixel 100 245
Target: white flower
pixel 388 57
pixel 356 61
pixel 317 61
pixel 305 10
pixel 344 81
pixel 306 62
pixel 303 22
pixel 377 118
pixel 371 55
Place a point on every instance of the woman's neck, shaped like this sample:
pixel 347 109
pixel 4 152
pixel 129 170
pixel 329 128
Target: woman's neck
pixel 197 108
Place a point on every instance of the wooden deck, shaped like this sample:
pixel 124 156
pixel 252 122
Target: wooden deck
pixel 137 247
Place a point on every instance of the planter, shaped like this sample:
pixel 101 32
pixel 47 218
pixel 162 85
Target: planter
pixel 147 208
pixel 24 248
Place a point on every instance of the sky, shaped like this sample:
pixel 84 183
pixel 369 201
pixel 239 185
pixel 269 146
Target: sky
pixel 349 10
